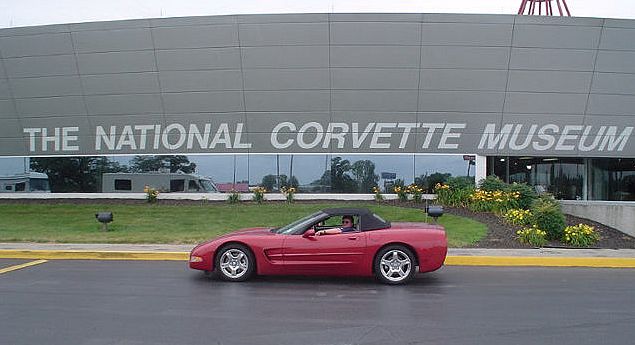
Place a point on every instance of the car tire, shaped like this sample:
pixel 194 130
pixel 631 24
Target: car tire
pixel 235 263
pixel 394 264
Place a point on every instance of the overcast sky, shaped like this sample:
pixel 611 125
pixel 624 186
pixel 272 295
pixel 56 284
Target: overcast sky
pixel 40 12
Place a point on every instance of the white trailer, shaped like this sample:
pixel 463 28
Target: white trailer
pixel 163 182
pixel 30 182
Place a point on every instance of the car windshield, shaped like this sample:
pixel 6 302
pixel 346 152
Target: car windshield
pixel 208 186
pixel 300 223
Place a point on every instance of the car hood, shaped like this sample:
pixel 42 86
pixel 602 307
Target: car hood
pixel 247 231
pixel 237 233
pixel 242 232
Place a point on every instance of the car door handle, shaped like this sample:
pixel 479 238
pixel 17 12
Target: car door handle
pixel 352 238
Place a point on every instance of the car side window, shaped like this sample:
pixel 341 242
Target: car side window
pixel 336 222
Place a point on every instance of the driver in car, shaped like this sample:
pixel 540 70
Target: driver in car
pixel 347 226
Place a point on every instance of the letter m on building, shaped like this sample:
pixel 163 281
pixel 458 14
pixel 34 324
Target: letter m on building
pixel 492 138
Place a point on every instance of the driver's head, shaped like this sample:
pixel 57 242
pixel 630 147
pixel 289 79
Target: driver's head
pixel 347 221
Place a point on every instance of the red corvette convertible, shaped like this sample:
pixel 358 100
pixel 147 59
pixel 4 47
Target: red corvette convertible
pixel 370 246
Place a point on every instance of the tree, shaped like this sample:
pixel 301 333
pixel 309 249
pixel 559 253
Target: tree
pixel 340 180
pixel 323 184
pixel 75 174
pixel 429 181
pixel 156 163
pixel 293 182
pixel 269 182
pixel 364 173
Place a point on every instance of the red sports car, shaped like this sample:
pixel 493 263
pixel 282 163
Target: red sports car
pixel 318 245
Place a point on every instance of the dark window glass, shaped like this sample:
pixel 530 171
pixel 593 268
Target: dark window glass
pixel 8 187
pixel 123 185
pixel 562 177
pixel 39 184
pixel 177 185
pixel 612 179
pixel 20 187
pixel 192 186
pixel 499 167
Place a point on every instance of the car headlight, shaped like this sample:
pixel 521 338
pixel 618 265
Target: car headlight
pixel 194 258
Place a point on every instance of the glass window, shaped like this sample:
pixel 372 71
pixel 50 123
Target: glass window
pixel 8 187
pixel 360 173
pixel 498 166
pixel 433 169
pixel 208 186
pixel 562 177
pixel 300 225
pixel 192 186
pixel 612 179
pixel 123 184
pixel 39 184
pixel 20 187
pixel 177 185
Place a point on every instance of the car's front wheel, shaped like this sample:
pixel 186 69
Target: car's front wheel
pixel 235 262
pixel 394 264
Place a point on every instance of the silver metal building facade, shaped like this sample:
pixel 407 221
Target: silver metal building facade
pixel 511 88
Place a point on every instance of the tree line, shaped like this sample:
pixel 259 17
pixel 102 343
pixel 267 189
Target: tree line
pixel 83 174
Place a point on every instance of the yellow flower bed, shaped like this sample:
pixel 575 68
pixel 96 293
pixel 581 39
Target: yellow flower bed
pixel 580 235
pixel 517 216
pixel 532 236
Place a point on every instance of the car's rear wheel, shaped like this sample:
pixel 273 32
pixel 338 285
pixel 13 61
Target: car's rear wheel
pixel 394 264
pixel 235 262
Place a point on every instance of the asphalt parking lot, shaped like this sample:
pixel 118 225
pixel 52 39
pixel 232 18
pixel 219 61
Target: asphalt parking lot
pixel 137 302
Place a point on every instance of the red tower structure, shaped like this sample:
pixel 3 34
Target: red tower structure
pixel 530 6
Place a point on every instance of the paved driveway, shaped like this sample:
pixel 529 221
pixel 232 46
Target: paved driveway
pixel 133 303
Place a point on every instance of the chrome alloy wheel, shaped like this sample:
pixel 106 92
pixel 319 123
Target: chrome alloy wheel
pixel 395 265
pixel 234 263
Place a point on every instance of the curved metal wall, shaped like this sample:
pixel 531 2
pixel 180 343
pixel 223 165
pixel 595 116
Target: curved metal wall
pixel 440 83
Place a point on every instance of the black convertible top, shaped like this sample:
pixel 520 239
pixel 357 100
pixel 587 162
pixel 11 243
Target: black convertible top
pixel 367 219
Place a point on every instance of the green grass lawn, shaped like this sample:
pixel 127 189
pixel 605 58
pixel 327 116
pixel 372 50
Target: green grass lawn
pixel 144 223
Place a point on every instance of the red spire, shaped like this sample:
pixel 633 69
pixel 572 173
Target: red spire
pixel 530 6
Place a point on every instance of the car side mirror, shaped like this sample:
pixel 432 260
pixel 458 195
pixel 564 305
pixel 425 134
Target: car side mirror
pixel 308 233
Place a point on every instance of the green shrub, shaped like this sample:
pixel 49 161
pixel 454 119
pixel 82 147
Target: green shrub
pixel 517 216
pixel 289 194
pixel 416 191
pixel 545 199
pixel 526 193
pixel 233 197
pixel 448 196
pixel 151 194
pixel 580 235
pixel 492 183
pixel 402 193
pixel 461 182
pixel 548 216
pixel 532 236
pixel 378 196
pixel 498 201
pixel 259 194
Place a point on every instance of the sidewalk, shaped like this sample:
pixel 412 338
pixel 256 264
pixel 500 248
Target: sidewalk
pixel 552 257
pixel 159 248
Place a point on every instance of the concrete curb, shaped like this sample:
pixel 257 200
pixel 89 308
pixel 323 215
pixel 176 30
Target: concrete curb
pixel 93 255
pixel 540 261
pixel 451 260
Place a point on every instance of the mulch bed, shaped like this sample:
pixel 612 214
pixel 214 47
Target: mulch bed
pixel 503 235
pixel 499 234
